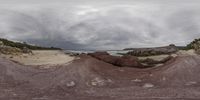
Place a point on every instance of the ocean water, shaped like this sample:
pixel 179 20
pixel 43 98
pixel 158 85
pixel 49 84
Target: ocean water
pixel 117 52
pixel 111 52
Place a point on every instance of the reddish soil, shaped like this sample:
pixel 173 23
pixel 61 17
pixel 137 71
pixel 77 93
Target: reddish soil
pixel 90 79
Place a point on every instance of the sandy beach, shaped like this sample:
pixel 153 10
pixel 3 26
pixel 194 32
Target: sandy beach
pixel 42 57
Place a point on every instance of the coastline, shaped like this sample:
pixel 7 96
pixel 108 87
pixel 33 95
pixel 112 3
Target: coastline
pixel 41 57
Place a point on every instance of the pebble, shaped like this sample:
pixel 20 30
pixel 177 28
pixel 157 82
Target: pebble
pixel 164 78
pixel 137 80
pixel 71 84
pixel 97 82
pixel 148 85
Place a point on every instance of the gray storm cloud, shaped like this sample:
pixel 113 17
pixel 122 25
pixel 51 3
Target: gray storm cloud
pixel 102 27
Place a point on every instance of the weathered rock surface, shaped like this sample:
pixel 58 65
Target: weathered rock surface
pixel 91 79
pixel 150 61
pixel 128 61
pixel 153 51
pixel 124 61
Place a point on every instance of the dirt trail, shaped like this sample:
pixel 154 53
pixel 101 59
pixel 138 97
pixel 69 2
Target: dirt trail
pixel 90 79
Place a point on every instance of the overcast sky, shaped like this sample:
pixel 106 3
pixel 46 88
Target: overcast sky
pixel 100 24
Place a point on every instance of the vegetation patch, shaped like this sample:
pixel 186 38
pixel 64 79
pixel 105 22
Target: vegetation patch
pixel 195 45
pixel 23 45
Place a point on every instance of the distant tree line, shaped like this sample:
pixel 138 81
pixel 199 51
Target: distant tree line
pixel 24 44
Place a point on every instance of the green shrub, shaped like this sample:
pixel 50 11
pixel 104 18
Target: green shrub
pixel 24 44
pixel 195 45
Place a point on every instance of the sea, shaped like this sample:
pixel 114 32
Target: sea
pixel 111 52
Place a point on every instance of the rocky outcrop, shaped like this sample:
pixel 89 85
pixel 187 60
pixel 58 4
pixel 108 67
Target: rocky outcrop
pixel 153 51
pixel 106 57
pixel 129 61
pixel 124 61
pixel 152 62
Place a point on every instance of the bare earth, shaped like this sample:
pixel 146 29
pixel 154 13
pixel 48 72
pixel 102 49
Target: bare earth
pixel 90 79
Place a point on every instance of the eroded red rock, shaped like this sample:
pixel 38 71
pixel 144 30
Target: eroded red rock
pixel 128 61
pixel 124 61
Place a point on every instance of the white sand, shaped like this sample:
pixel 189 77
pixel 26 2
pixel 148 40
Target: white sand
pixel 42 57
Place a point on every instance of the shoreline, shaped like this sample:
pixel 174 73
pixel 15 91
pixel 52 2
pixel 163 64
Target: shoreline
pixel 41 57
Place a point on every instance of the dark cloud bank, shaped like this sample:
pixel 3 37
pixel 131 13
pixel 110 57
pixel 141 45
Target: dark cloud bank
pixel 101 27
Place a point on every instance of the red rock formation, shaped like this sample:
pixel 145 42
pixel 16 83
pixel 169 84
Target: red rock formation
pixel 124 61
pixel 128 61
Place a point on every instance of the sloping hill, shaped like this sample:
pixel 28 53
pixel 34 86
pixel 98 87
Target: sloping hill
pixel 182 72
pixel 22 45
pixel 91 79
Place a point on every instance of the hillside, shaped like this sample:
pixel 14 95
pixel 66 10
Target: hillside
pixel 195 45
pixel 153 51
pixel 22 45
